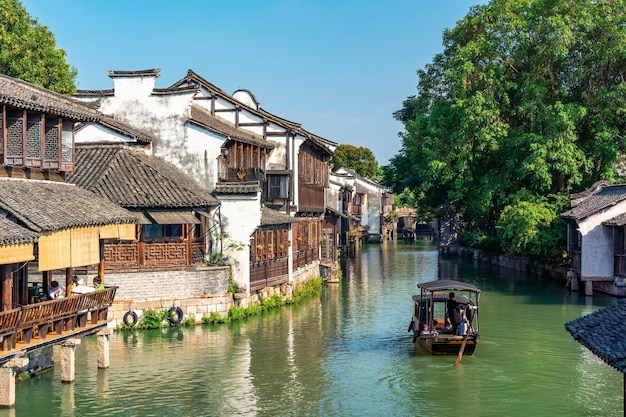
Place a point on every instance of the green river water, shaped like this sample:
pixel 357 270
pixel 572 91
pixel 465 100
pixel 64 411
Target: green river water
pixel 348 353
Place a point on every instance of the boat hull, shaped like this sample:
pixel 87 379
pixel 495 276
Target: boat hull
pixel 447 345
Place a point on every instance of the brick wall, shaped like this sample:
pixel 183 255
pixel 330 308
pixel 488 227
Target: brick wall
pixel 157 285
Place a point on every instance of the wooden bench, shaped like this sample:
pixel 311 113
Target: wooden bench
pixel 36 316
pixel 9 323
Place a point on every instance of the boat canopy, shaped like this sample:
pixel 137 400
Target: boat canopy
pixel 447 284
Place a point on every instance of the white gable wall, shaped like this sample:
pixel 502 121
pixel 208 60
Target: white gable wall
pixel 97 133
pixel 240 217
pixel 597 243
pixel 133 87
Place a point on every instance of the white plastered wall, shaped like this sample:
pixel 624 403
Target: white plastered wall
pixel 240 217
pixel 597 243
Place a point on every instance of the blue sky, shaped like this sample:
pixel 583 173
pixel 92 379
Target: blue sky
pixel 339 68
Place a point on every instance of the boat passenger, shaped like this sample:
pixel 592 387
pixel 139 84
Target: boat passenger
pixel 447 327
pixel 455 313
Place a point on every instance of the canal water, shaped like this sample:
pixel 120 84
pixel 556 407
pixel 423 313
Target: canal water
pixel 348 353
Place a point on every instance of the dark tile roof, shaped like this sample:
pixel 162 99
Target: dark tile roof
pixel 49 206
pixel 153 72
pixel 617 221
pixel 237 187
pixel 203 118
pixel 12 234
pixel 132 179
pixel 603 332
pixel 606 196
pixel 271 217
pixel 194 79
pixel 94 93
pixel 121 128
pixel 23 95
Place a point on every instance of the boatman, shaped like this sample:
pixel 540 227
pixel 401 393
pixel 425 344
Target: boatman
pixel 454 314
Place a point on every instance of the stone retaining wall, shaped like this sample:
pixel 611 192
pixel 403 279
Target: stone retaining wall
pixel 198 293
pixel 535 267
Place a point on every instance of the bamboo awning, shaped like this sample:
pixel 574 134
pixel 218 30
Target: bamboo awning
pixel 23 252
pixel 173 217
pixel 78 246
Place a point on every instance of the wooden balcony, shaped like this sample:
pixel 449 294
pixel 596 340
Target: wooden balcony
pixel 28 327
pixel 230 174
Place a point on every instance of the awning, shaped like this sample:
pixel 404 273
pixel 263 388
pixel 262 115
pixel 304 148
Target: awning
pixel 173 217
pixel 142 217
pixel 204 213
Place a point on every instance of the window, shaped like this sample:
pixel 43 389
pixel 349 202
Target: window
pixel 163 230
pixel 277 186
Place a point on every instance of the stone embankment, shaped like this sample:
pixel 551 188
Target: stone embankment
pixel 522 264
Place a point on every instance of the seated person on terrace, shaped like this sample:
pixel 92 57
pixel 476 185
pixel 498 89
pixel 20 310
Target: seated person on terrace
pixel 55 290
pixel 81 288
pixel 97 283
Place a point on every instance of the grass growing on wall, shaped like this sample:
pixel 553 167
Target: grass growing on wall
pixel 310 288
pixel 159 318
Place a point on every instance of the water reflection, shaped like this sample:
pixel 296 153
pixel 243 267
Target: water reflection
pixel 348 353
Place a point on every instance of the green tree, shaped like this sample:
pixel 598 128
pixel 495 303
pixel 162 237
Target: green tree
pixel 28 51
pixel 360 159
pixel 527 99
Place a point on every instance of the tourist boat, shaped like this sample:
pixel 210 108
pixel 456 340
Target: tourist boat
pixel 430 318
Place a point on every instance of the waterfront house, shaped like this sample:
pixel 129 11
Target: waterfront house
pixel 167 255
pixel 48 228
pixel 247 157
pixel 595 238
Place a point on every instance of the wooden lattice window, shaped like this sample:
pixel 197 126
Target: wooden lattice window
pixel 34 142
pixel 15 138
pixel 51 143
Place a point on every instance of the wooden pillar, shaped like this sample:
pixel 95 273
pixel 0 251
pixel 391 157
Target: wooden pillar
pixel 7 287
pixel 68 277
pixel 24 296
pixel 68 359
pixel 46 275
pixel 101 264
pixel 188 234
pixel 103 347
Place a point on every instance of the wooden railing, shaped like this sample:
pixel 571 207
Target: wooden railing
pixel 268 273
pixel 304 257
pixel 63 314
